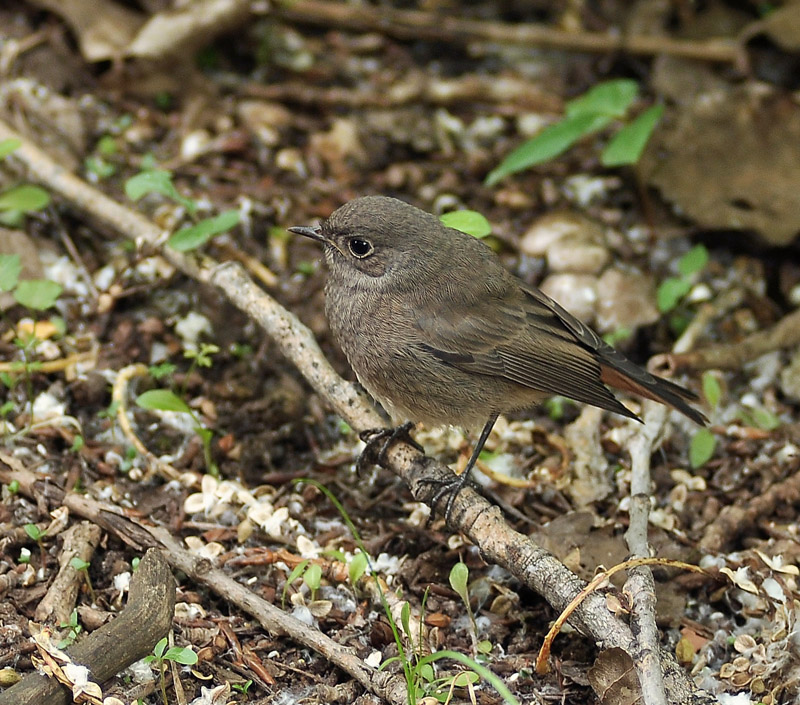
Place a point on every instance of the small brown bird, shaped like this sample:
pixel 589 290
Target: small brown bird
pixel 439 332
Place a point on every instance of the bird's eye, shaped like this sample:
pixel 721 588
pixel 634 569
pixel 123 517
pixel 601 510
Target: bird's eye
pixel 360 248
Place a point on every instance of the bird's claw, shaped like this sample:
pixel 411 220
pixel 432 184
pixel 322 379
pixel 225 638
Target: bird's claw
pixel 450 489
pixel 379 440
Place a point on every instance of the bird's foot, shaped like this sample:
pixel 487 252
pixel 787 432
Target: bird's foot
pixel 379 440
pixel 450 489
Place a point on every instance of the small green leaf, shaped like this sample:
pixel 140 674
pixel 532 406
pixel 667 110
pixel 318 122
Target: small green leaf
pixel 711 388
pixel 693 261
pixel 357 567
pixel 459 577
pixel 611 98
pixel 156 181
pixel 470 222
pixel 627 145
pixel 24 198
pixel 405 617
pixel 33 531
pixel 78 564
pixel 162 400
pixel 759 418
pixel 196 235
pixel 671 291
pixel 463 679
pixel 8 146
pixel 10 267
pixel 702 447
pixel 183 655
pixel 160 648
pixel 549 143
pixel 313 576
pixel 38 294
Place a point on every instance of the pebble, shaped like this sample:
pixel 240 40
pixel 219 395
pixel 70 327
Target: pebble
pixel 626 299
pixel 575 292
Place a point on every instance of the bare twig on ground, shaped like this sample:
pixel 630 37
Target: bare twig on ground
pixel 733 356
pixel 80 541
pixel 640 586
pixel 471 513
pixel 416 25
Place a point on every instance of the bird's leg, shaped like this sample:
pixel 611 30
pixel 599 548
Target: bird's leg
pixel 379 440
pixel 453 487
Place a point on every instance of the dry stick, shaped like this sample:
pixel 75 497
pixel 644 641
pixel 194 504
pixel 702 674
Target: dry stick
pixel 471 513
pixel 413 24
pixel 640 586
pixel 80 541
pixel 784 334
pixel 112 647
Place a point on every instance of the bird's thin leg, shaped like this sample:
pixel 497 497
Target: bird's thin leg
pixel 454 487
pixel 379 440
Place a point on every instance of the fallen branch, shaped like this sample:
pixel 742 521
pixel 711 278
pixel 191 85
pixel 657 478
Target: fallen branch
pixel 733 356
pixel 416 25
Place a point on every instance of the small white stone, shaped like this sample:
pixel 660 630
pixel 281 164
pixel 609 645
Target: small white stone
pixel 575 292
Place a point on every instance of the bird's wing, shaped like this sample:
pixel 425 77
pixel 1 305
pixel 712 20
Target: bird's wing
pixel 513 334
pixel 519 333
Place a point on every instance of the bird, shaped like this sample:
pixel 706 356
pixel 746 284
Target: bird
pixel 440 333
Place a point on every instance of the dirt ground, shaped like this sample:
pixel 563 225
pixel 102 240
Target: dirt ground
pixel 243 474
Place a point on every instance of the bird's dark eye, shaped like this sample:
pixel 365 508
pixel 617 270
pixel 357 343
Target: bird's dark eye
pixel 359 247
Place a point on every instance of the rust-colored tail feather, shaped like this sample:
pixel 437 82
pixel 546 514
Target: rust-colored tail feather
pixel 655 388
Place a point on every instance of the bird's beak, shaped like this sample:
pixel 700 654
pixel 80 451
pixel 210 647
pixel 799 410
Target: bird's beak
pixel 315 232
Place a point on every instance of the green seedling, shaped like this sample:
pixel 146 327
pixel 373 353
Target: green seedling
pixel 704 442
pixel 73 629
pixel 672 290
pixel 183 655
pixel 242 687
pixel 585 115
pixel 83 567
pixel 166 400
pixel 459 581
pixel 37 534
pixel 159 181
pixel 22 199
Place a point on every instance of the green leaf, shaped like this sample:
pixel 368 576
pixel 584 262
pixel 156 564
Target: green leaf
pixel 357 567
pixel 313 576
pixel 671 291
pixel 693 261
pixel 38 294
pixel 24 198
pixel 711 389
pixel 183 655
pixel 611 98
pixel 470 222
pixel 701 448
pixel 196 235
pixel 78 564
pixel 549 143
pixel 628 144
pixel 459 577
pixel 162 400
pixel 759 418
pixel 8 146
pixel 33 531
pixel 160 647
pixel 156 181
pixel 10 267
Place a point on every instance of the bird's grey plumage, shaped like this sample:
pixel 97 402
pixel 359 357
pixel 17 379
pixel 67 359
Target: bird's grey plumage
pixel 438 331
